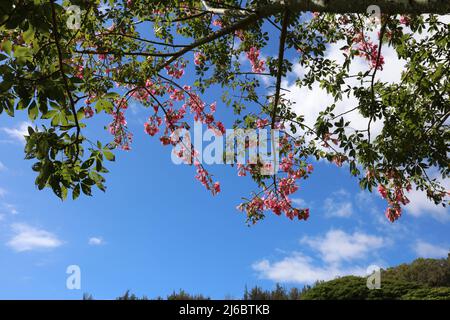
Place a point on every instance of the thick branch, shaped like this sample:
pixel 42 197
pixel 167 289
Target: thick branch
pixel 360 6
pixel 280 66
pixel 66 84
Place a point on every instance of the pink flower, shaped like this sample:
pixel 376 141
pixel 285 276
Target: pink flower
pixel 213 107
pixel 216 187
pixel 176 71
pixel 177 95
pixel 405 20
pixel 261 123
pixel 304 214
pixel 151 129
pixel 287 163
pixel 257 64
pixel 221 127
pixel 393 213
pixel 165 140
pixel 199 59
pixel 88 112
pixel 80 71
pixel 241 170
pixel 217 23
pixel 382 191
pixel 369 50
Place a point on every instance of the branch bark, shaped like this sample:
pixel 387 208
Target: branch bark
pixel 360 6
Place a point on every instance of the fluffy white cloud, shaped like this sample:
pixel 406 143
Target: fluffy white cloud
pixel 18 132
pixel 338 205
pixel 10 208
pixel 301 269
pixel 427 250
pixel 2 166
pixel 29 238
pixel 420 205
pixel 96 241
pixel 335 249
pixel 299 202
pixel 337 245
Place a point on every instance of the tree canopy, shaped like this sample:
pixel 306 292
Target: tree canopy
pixel 66 62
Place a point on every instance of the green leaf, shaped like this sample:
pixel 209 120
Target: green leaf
pixel 33 111
pixel 103 104
pixel 88 163
pixel 86 189
pixel 22 52
pixel 109 155
pixel 7 46
pixel 76 192
pixel 28 35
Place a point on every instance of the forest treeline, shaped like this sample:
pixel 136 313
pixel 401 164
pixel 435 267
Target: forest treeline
pixel 427 279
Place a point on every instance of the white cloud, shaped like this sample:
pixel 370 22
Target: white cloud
pixel 334 208
pixel 301 269
pixel 96 241
pixel 2 166
pixel 427 250
pixel 420 205
pixel 29 238
pixel 300 202
pixel 18 132
pixel 3 192
pixel 11 208
pixel 338 246
pixel 339 205
pixel 335 250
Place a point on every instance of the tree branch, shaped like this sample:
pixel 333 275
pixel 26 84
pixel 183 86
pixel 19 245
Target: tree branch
pixel 66 84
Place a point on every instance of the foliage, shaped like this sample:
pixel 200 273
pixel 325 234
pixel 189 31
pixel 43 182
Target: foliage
pixel 426 272
pixel 62 76
pixel 428 294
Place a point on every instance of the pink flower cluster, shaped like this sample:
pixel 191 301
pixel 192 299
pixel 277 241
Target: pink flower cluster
pixel 205 179
pixel 118 127
pixel 199 59
pixel 395 199
pixel 152 126
pixel 406 20
pixel 167 117
pixel 257 64
pixel 88 112
pixel 176 70
pixel 262 123
pixel 217 23
pixel 277 199
pixel 368 50
pixel 80 72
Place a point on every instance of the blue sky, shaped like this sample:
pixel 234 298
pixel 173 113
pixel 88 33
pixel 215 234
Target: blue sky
pixel 156 229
